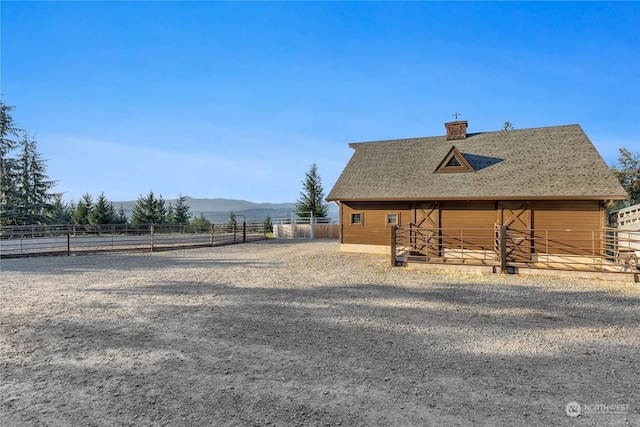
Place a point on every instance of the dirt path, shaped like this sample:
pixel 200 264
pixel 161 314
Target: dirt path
pixel 296 333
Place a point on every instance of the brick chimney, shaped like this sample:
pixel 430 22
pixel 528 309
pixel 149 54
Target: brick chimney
pixel 456 130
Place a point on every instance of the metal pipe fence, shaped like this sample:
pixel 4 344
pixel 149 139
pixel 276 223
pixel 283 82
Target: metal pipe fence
pixel 607 249
pixel 67 239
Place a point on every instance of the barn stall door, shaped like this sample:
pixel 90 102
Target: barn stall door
pixel 516 217
pixel 426 220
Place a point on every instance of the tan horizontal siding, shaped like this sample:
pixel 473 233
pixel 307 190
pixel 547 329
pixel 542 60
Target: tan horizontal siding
pixel 568 227
pixel 374 230
pixel 473 222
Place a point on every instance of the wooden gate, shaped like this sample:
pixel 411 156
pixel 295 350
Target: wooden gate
pixel 516 218
pixel 426 219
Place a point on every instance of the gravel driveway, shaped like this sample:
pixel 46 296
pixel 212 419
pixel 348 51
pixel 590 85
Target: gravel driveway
pixel 297 333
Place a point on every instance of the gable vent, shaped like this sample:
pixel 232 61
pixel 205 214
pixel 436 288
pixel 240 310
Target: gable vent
pixel 454 161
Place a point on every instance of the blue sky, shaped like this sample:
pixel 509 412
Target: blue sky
pixel 238 99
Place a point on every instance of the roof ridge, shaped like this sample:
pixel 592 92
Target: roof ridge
pixel 469 134
pixel 534 128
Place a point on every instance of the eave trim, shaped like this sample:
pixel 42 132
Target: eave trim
pixel 522 197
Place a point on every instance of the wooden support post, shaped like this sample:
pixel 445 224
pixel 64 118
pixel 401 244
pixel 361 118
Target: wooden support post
pixel 244 231
pixel 503 248
pixel 211 228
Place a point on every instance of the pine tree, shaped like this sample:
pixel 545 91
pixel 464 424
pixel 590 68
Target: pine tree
pixel 268 224
pixel 35 199
pixel 149 210
pixel 312 197
pixel 7 129
pixel 9 194
pixel 200 222
pixel 9 191
pixel 232 221
pixel 60 211
pixel 627 170
pixel 83 209
pixel 102 212
pixel 25 196
pixel 171 215
pixel 120 217
pixel 181 213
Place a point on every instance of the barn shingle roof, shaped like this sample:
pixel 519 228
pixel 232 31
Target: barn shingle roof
pixel 551 162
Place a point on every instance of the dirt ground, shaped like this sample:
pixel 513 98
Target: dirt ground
pixel 296 333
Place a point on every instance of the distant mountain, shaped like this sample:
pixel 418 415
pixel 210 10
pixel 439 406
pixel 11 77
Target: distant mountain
pixel 219 210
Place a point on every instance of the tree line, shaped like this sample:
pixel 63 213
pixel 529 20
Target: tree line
pixel 27 196
pixel 148 209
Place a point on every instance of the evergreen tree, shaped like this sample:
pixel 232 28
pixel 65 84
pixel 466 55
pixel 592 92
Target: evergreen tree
pixel 25 196
pixel 181 213
pixel 200 222
pixel 102 212
pixel 312 197
pixel 60 211
pixel 83 209
pixel 35 199
pixel 268 224
pixel 171 215
pixel 72 209
pixel 120 217
pixel 111 213
pixel 507 126
pixel 9 191
pixel 149 210
pixel 232 221
pixel 9 175
pixel 627 170
pixel 8 129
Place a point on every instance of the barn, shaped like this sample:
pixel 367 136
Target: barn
pixel 543 192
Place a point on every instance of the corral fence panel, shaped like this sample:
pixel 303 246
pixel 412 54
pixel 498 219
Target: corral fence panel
pixel 67 239
pixel 606 249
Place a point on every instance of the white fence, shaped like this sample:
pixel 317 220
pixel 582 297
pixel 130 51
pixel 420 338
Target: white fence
pixel 306 227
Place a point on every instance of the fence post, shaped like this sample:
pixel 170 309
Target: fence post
pixel 546 242
pixel 211 228
pixel 68 241
pixel 503 248
pixel 393 245
pixel 151 230
pixel 244 231
pixel 293 227
pixel 311 226
pixel 593 249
